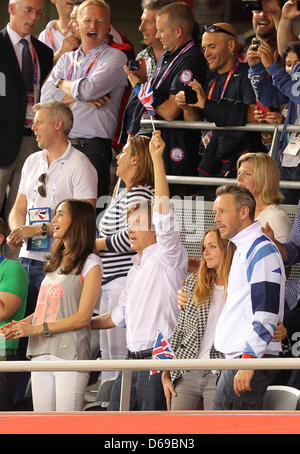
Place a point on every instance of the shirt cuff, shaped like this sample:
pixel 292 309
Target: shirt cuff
pixel 75 88
pixel 117 317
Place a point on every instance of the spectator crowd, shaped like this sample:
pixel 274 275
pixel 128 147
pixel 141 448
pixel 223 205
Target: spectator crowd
pixel 89 240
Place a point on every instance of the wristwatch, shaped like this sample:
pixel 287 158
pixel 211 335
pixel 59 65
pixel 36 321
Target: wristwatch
pixel 58 82
pixel 47 332
pixel 44 229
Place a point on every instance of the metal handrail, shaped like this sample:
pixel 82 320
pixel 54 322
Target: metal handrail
pixel 261 127
pixel 127 366
pixel 196 125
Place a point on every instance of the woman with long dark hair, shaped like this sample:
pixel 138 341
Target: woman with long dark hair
pixel 59 329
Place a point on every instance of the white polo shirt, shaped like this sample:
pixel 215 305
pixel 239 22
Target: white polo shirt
pixel 70 176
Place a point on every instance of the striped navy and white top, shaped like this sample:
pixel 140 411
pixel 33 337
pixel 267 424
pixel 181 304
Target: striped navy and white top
pixel 113 225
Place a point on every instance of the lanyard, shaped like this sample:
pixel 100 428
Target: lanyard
pixel 231 72
pixel 185 49
pixel 35 66
pixel 50 36
pixel 2 258
pixel 71 70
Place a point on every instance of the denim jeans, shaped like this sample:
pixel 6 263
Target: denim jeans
pixel 147 392
pixel 227 399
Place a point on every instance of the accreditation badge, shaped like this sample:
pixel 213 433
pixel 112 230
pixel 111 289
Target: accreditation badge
pixel 293 146
pixel 39 216
pixel 29 110
pixel 206 138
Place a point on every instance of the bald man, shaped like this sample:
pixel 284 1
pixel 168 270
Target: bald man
pixel 229 100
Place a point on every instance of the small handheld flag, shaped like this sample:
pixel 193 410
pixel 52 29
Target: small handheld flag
pixel 145 95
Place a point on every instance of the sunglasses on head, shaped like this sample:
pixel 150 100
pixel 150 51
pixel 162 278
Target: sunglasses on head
pixel 42 188
pixel 216 29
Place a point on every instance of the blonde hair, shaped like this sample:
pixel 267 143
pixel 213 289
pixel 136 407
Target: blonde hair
pixel 144 175
pixel 206 277
pixel 266 176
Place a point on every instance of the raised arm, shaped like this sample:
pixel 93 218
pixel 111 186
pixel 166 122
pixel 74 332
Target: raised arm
pixel 162 194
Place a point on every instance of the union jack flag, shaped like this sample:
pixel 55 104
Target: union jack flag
pixel 145 95
pixel 161 350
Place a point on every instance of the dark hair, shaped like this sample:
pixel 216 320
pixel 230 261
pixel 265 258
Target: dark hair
pixel 155 4
pixel 242 197
pixel 81 236
pixel 293 46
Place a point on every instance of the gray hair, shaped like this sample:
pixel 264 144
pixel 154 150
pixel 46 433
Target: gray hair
pixel 57 111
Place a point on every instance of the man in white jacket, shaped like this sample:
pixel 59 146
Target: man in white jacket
pixel 254 304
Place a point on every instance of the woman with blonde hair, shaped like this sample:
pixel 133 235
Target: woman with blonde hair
pixel 194 332
pixel 135 169
pixel 259 173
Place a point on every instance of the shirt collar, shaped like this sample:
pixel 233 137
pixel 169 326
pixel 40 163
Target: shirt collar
pixel 93 51
pixel 170 55
pixel 253 230
pixel 15 37
pixel 64 156
pixel 138 259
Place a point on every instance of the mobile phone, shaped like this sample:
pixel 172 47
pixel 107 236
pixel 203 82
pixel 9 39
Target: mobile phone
pixel 250 5
pixel 190 95
pixel 264 109
pixel 133 65
pixel 256 42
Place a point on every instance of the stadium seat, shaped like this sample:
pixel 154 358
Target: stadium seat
pixel 102 398
pixel 281 398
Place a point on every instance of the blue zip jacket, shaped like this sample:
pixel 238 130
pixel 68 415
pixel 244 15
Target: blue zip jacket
pixel 284 88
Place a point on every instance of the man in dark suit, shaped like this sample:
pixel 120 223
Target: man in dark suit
pixel 22 77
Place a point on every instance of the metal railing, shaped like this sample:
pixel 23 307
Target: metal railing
pixel 127 366
pixel 198 125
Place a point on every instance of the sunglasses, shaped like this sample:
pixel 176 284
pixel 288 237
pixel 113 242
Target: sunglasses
pixel 42 188
pixel 216 29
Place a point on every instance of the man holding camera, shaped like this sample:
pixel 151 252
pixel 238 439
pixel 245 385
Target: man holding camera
pixel 265 21
pixel 181 62
pixel 228 101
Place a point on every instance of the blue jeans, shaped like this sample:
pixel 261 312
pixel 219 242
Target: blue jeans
pixel 147 392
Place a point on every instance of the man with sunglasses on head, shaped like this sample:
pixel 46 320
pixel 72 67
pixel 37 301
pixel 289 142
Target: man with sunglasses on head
pixel 228 101
pixel 24 64
pixel 55 173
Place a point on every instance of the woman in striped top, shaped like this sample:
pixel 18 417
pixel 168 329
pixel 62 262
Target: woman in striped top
pixel 135 169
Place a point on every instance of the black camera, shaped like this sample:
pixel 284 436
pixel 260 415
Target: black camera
pixel 133 65
pixel 250 5
pixel 190 95
pixel 256 43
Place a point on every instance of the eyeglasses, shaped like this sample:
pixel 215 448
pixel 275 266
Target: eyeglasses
pixel 42 188
pixel 216 29
pixel 29 11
